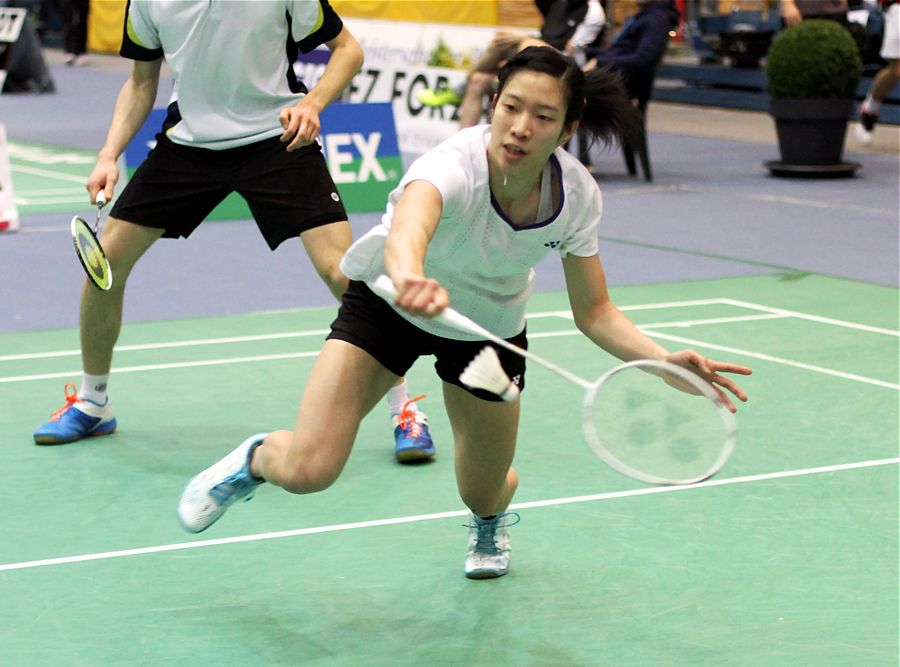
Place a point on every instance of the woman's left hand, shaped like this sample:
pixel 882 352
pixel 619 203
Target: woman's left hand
pixel 709 370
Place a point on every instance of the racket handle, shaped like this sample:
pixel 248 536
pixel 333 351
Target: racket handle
pixel 384 287
pixel 101 199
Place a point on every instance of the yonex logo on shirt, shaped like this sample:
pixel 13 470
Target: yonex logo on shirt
pixel 551 244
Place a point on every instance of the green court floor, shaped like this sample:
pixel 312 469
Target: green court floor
pixel 789 557
pixel 48 179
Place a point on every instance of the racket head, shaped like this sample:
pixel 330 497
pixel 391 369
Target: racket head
pixel 91 254
pixel 645 428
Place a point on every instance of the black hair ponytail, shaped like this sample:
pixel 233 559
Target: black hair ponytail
pixel 608 115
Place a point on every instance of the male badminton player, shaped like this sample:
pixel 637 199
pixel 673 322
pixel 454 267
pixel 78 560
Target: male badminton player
pixel 241 122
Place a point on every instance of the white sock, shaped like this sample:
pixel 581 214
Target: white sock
pixel 93 388
pixel 869 105
pixel 397 397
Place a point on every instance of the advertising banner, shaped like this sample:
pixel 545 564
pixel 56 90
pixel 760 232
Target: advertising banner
pixel 403 59
pixel 360 146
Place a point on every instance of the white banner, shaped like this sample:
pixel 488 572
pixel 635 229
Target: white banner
pixel 419 128
pixel 9 216
pixel 401 60
pixel 398 43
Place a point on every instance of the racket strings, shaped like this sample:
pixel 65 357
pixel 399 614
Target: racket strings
pixel 646 424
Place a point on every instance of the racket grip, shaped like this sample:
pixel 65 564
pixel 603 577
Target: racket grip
pixel 384 287
pixel 101 199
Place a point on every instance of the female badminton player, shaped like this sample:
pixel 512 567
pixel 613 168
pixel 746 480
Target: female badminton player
pixel 468 221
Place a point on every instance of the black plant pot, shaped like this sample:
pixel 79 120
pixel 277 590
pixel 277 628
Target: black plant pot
pixel 811 137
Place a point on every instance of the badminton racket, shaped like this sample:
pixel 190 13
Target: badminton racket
pixel 651 420
pixel 90 252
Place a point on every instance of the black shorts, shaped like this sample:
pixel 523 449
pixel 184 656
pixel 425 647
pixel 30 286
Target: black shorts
pixel 368 322
pixel 177 186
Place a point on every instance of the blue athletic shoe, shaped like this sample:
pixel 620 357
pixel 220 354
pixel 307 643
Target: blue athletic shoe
pixel 77 419
pixel 209 494
pixel 412 441
pixel 488 555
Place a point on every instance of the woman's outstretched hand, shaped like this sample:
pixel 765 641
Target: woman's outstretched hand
pixel 710 370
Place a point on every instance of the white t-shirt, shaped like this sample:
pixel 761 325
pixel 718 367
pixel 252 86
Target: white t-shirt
pixel 230 60
pixel 479 256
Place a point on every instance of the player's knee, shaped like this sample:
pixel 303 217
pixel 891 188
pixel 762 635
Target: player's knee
pixel 336 281
pixel 309 473
pixel 301 480
pixel 895 68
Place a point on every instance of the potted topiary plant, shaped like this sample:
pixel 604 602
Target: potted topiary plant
pixel 813 69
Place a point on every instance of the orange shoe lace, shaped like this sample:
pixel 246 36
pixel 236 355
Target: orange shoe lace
pixel 407 418
pixel 71 399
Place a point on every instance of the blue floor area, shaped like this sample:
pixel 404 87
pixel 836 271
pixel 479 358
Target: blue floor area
pixel 712 212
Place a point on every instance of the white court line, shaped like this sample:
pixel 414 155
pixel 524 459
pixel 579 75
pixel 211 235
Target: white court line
pixel 275 357
pixel 106 555
pixel 159 367
pixel 180 343
pixel 34 171
pixel 773 359
pixel 773 313
pixel 782 312
pixel 74 199
pixel 566 314
pixel 811 318
pixel 319 332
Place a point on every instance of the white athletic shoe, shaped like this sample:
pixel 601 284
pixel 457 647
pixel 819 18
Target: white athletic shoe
pixel 209 494
pixel 863 135
pixel 488 555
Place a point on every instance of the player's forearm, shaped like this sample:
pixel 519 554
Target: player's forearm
pixel 415 220
pixel 404 253
pixel 597 317
pixel 615 333
pixel 133 105
pixel 345 62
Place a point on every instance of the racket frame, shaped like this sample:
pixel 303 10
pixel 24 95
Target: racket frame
pixel 79 227
pixel 595 441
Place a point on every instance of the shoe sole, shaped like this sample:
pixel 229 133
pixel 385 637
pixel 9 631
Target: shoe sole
pixel 50 440
pixel 412 455
pixel 485 574
pixel 863 135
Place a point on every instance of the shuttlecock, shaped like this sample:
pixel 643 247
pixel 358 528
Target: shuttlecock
pixel 485 372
